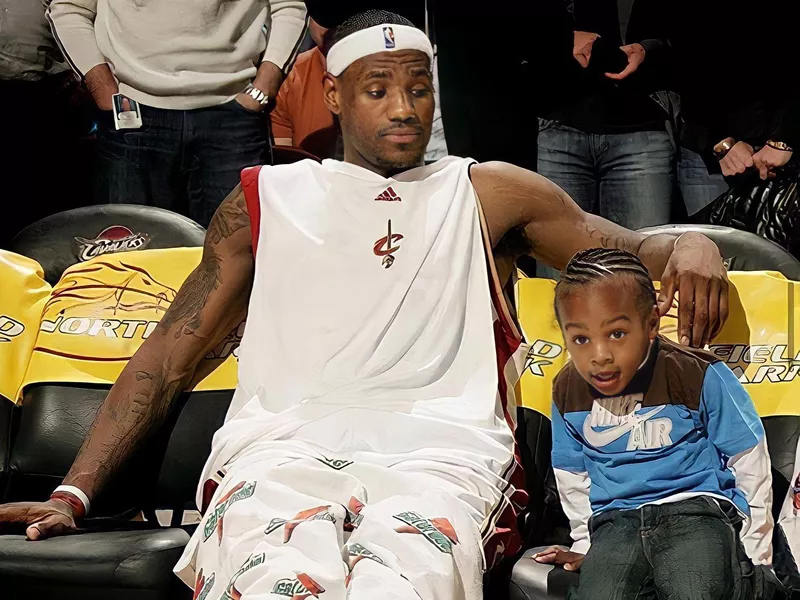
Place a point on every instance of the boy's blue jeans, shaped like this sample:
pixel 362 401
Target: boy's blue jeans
pixel 689 550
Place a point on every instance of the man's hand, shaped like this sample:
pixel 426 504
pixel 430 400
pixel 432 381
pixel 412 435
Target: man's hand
pixel 737 160
pixel 268 80
pixel 768 159
pixel 541 219
pixel 636 54
pixel 695 270
pixel 102 85
pixel 556 555
pixel 41 519
pixel 582 47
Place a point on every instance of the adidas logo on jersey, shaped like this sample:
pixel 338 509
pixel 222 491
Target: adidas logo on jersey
pixel 388 195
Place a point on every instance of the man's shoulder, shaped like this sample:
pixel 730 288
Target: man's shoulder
pixel 307 62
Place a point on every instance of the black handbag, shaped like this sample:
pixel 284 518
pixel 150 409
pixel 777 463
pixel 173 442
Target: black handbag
pixel 770 208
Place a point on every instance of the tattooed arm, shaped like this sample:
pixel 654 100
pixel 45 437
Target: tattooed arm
pixel 538 217
pixel 211 302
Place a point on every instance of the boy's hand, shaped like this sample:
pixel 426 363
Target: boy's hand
pixel 556 555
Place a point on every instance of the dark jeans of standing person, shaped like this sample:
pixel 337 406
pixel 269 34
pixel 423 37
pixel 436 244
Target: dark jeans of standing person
pixel 688 550
pixel 184 161
pixel 625 177
pixel 699 188
pixel 47 150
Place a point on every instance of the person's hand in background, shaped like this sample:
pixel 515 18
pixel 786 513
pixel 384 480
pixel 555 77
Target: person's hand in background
pixel 768 159
pixel 556 555
pixel 102 85
pixel 636 54
pixel 268 80
pixel 737 160
pixel 582 47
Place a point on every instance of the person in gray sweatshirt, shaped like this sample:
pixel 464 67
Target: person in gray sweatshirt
pixel 204 74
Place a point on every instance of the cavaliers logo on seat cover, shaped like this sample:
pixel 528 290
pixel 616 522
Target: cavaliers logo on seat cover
pixel 116 238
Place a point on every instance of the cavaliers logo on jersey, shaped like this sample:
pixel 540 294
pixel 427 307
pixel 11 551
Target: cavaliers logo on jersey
pixel 387 246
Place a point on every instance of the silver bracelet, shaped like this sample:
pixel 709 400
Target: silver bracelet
pixel 256 94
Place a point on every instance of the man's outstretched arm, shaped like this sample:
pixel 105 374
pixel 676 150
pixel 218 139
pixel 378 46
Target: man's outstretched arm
pixel 211 302
pixel 553 228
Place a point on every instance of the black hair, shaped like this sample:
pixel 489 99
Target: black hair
pixel 593 265
pixel 365 20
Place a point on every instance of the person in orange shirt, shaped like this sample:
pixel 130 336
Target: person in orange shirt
pixel 300 118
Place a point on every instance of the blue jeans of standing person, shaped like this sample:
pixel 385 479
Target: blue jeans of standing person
pixel 624 177
pixel 186 161
pixel 699 188
pixel 688 550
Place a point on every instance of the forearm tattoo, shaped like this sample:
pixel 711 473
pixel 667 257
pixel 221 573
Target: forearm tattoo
pixel 140 401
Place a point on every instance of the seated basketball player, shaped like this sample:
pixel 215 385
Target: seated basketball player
pixel 367 452
pixel 659 453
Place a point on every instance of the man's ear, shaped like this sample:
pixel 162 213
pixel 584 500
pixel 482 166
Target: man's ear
pixel 653 323
pixel 330 93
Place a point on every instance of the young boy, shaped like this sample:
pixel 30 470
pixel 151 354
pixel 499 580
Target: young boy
pixel 658 452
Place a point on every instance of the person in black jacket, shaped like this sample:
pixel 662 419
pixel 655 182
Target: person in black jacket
pixel 602 137
pixel 734 64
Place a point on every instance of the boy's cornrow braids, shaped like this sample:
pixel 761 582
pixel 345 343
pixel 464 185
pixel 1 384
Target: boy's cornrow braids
pixel 593 264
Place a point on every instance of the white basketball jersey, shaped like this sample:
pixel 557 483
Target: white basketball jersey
pixel 370 326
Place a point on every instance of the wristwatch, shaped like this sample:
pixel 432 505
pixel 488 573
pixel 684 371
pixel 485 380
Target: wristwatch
pixel 782 146
pixel 256 94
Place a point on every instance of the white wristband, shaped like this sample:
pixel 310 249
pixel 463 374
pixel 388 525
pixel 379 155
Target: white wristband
pixel 77 492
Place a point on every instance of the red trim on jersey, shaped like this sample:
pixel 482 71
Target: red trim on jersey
pixel 250 189
pixel 505 539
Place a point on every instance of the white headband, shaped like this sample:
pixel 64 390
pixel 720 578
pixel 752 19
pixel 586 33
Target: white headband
pixel 380 38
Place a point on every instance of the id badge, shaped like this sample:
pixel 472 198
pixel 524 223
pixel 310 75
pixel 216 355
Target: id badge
pixel 127 114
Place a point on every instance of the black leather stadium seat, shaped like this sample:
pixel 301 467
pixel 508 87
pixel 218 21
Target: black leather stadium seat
pixel 546 523
pixel 118 558
pixel 743 251
pixel 124 565
pixel 59 241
